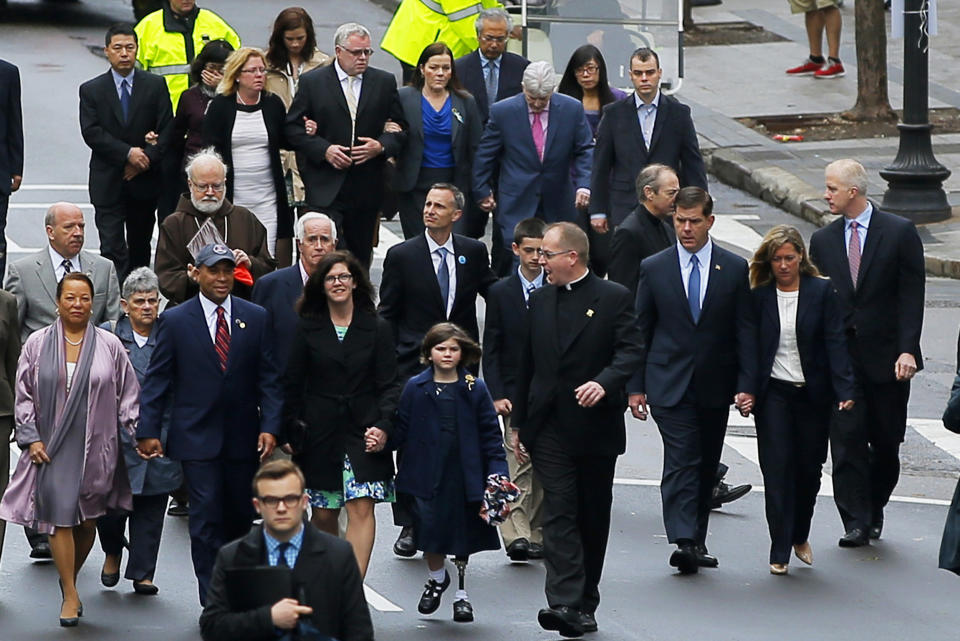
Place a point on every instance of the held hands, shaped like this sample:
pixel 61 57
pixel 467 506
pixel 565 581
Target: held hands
pixel 845 405
pixel 265 444
pixel 375 439
pixel 519 451
pixel 638 406
pixel 370 149
pixel 905 367
pixel 285 613
pixel 590 393
pixel 503 406
pixel 488 204
pixel 38 453
pixel 744 402
pixel 149 448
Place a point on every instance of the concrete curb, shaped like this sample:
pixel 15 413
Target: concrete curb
pixel 779 187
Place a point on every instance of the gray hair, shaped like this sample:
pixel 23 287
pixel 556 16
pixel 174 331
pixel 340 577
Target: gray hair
pixel 850 173
pixel 458 198
pixel 494 14
pixel 141 280
pixel 651 176
pixel 301 222
pixel 50 218
pixel 539 79
pixel 348 29
pixel 202 157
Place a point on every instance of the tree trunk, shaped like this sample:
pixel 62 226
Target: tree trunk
pixel 873 102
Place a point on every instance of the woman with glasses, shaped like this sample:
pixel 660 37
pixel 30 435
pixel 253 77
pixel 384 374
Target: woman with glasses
pixel 341 390
pixel 245 124
pixel 585 79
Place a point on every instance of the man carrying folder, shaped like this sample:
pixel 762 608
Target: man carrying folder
pixel 320 594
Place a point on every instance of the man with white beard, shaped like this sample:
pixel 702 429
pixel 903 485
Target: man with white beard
pixel 238 228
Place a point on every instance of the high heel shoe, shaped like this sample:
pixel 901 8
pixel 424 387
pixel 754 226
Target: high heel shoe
pixel 70 622
pixel 779 569
pixel 79 609
pixel 804 552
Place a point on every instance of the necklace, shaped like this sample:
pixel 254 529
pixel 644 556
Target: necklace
pixel 79 342
pixel 248 104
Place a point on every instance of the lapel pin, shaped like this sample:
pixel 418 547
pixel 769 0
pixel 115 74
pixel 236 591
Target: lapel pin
pixel 716 267
pixel 589 313
pixel 241 324
pixel 462 260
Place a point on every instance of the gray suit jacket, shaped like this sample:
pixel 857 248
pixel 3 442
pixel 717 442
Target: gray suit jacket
pixel 33 281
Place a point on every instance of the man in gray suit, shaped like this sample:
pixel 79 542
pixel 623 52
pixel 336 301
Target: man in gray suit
pixel 33 279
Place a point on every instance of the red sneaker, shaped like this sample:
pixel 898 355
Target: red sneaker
pixel 834 70
pixel 809 67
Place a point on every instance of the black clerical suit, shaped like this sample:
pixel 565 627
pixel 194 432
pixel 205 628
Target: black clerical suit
pixel 690 371
pixel 639 236
pixel 586 332
pixel 883 316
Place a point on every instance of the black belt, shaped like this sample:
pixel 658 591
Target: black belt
pixel 788 383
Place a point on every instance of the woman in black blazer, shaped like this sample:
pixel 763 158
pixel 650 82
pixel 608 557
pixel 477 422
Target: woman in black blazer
pixel 445 128
pixel 341 390
pixel 804 373
pixel 245 125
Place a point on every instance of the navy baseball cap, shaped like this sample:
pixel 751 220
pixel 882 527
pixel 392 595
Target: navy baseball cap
pixel 213 253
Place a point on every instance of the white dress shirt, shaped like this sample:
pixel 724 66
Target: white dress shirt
pixel 686 262
pixel 536 283
pixel 303 272
pixel 786 362
pixel 344 81
pixel 863 225
pixel 57 261
pixel 451 266
pixel 210 314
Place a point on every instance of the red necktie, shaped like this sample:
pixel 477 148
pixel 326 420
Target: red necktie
pixel 222 340
pixel 853 253
pixel 538 134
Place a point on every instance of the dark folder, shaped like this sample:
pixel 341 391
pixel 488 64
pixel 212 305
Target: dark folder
pixel 252 587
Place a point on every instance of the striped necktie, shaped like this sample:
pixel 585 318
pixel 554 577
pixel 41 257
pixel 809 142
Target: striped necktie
pixel 222 340
pixel 853 253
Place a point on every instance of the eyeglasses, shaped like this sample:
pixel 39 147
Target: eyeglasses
pixel 588 70
pixel 257 71
pixel 217 187
pixel 498 39
pixel 548 255
pixel 338 278
pixel 290 500
pixel 356 53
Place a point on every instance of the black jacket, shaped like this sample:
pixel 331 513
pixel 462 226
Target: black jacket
pixel 470 73
pixel 11 126
pixel 639 236
pixel 503 332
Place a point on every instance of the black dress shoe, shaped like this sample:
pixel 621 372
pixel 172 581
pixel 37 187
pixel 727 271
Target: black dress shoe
pixel 704 558
pixel 876 528
pixel 41 551
pixel 430 599
pixel 723 493
pixel 146 589
pixel 563 619
pixel 178 509
pixel 535 551
pixel 462 611
pixel 854 538
pixel 519 550
pixel 684 558
pixel 405 546
pixel 588 621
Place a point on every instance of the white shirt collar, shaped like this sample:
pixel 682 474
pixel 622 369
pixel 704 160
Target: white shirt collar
pixel 303 272
pixel 486 62
pixel 432 244
pixel 57 259
pixel 210 307
pixel 703 255
pixel 341 74
pixel 640 103
pixel 863 220
pixel 570 285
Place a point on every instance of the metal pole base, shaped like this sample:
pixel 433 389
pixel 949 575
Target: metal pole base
pixel 916 178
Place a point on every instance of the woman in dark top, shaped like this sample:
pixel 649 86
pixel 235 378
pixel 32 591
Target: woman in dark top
pixel 245 124
pixel 341 390
pixel 585 79
pixel 805 374
pixel 445 130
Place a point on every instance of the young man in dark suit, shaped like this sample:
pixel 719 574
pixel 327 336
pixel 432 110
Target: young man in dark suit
pixel 503 329
pixel 11 147
pixel 125 119
pixel 430 278
pixel 699 333
pixel 580 348
pixel 214 359
pixel 875 260
pixel 327 589
pixel 342 163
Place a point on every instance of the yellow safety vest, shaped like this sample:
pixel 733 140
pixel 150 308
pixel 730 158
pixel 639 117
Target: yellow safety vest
pixel 164 52
pixel 418 23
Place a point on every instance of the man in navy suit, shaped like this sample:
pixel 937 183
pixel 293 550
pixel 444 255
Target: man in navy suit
pixel 504 324
pixel 700 343
pixel 428 279
pixel 214 359
pixel 542 146
pixel 11 147
pixel 279 291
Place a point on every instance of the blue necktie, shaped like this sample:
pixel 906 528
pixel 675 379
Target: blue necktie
pixel 693 289
pixel 124 99
pixel 282 559
pixel 443 277
pixel 492 83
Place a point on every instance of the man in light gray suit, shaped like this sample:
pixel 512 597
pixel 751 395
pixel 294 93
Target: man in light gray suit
pixel 33 281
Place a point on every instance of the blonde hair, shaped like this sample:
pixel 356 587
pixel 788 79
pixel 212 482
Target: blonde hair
pixel 233 66
pixel 760 271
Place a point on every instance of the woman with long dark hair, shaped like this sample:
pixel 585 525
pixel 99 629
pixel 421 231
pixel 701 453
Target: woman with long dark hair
pixel 585 79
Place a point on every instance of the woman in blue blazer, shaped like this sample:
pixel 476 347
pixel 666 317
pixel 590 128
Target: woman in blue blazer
pixel 451 440
pixel 804 373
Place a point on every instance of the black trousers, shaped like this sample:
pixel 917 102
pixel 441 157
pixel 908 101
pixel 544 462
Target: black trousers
pixel 135 217
pixel 692 442
pixel 792 432
pixel 577 495
pixel 220 510
pixel 865 445
pixel 355 210
pixel 4 207
pixel 146 526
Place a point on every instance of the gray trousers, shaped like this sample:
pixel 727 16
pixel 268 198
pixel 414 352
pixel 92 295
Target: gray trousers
pixel 524 518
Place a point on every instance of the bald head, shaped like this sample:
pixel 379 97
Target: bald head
pixel 64 225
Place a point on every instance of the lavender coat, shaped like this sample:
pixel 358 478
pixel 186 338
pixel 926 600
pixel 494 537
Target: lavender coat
pixel 112 404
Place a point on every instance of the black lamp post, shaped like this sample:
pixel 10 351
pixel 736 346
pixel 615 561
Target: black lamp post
pixel 916 178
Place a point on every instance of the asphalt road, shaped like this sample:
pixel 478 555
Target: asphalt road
pixel 889 591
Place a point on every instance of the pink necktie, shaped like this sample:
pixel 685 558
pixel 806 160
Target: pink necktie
pixel 853 253
pixel 538 134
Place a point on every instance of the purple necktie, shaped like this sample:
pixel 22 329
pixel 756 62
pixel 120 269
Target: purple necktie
pixel 853 253
pixel 538 134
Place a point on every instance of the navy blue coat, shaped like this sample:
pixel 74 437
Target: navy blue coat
pixel 216 414
pixel 278 292
pixel 158 475
pixel 416 431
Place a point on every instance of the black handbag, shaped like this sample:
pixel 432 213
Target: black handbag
pixel 950 543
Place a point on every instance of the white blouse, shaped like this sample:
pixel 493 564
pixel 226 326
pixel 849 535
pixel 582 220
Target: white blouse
pixel 786 362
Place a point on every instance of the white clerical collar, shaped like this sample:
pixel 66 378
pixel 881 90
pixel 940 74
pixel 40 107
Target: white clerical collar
pixel 570 285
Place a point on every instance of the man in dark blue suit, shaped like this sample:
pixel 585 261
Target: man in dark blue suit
pixel 11 146
pixel 695 314
pixel 542 146
pixel 504 324
pixel 214 359
pixel 278 291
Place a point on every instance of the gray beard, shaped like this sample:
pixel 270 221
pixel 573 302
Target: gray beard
pixel 206 207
